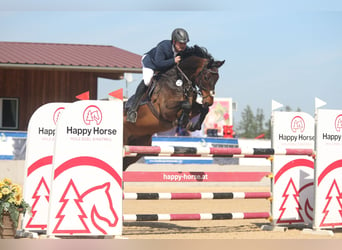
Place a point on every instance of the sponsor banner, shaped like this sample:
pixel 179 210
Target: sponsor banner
pixel 38 164
pixel 157 176
pixel 328 175
pixel 12 145
pixel 86 192
pixel 220 115
pixel 178 160
pixel 293 182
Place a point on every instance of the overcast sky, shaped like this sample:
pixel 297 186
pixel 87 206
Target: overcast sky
pixel 288 51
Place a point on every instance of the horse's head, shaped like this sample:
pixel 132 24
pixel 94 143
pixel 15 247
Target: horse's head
pixel 206 80
pixel 202 69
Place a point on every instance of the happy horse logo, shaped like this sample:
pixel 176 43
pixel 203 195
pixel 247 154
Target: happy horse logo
pixel 92 114
pixel 57 114
pixel 92 210
pixel 338 123
pixel 298 124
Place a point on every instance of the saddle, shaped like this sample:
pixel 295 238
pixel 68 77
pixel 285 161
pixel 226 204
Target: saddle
pixel 175 83
pixel 147 97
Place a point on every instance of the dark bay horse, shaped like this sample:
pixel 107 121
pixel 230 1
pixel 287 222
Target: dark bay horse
pixel 172 99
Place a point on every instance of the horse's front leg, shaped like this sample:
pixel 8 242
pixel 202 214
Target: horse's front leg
pixel 184 118
pixel 203 109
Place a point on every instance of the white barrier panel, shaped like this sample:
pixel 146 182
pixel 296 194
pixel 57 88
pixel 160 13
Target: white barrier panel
pixel 328 175
pixel 38 164
pixel 86 193
pixel 293 182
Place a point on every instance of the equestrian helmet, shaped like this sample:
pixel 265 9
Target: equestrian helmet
pixel 180 35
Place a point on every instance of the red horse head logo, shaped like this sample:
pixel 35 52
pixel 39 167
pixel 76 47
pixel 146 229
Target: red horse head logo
pixel 338 123
pixel 57 114
pixel 298 124
pixel 92 114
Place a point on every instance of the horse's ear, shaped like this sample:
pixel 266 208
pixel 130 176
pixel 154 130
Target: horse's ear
pixel 218 64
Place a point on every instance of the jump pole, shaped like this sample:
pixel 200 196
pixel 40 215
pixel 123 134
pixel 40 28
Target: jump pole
pixel 196 196
pixel 198 216
pixel 211 151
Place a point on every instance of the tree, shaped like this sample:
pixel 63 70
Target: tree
pixel 268 128
pixel 289 109
pixel 259 122
pixel 252 126
pixel 247 125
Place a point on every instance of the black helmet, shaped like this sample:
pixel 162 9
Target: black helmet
pixel 180 35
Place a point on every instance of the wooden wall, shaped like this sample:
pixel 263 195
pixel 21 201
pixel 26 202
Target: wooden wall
pixel 37 87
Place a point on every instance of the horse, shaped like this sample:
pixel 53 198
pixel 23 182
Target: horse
pixel 172 99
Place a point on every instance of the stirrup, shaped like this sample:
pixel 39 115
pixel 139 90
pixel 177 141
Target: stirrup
pixel 131 116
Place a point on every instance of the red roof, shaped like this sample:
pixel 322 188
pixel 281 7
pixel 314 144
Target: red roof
pixel 68 55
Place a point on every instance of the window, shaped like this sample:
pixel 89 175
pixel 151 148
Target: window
pixel 9 113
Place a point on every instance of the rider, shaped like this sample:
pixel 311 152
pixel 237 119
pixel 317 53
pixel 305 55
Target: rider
pixel 160 58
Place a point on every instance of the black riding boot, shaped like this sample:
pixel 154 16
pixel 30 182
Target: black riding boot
pixel 132 112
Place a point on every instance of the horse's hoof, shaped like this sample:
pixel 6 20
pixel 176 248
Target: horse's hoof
pixel 191 127
pixel 195 127
pixel 131 117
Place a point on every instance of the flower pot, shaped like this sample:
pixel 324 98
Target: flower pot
pixel 7 230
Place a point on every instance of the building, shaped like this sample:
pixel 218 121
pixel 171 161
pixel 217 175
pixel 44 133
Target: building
pixel 33 74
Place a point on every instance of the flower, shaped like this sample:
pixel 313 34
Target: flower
pixel 11 201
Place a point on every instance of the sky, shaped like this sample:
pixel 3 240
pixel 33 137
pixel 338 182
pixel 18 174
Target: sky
pixel 287 51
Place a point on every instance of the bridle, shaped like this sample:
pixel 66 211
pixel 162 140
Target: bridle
pixel 203 76
pixel 190 86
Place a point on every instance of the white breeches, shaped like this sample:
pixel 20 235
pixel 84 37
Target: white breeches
pixel 147 75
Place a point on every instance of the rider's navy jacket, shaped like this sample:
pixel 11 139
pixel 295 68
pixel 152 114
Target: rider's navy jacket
pixel 161 57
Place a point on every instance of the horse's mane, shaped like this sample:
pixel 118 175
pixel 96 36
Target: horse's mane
pixel 189 60
pixel 197 51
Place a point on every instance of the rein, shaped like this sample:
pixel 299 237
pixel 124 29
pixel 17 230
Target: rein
pixel 200 85
pixel 189 88
pixel 183 74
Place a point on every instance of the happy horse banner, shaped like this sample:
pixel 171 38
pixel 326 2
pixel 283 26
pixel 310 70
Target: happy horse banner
pixel 328 175
pixel 86 194
pixel 38 163
pixel 293 182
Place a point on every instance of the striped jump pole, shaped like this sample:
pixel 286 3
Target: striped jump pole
pixel 211 151
pixel 196 196
pixel 199 216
